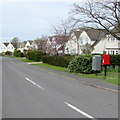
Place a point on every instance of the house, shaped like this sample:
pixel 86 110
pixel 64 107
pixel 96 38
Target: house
pixel 10 47
pixel 56 44
pixel 28 44
pixel 71 47
pixel 109 44
pixel 80 38
pixel 21 46
pixel 35 44
pixel 3 47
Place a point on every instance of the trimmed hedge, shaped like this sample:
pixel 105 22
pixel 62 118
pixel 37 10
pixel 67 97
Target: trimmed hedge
pixel 115 60
pixel 62 61
pixel 35 55
pixel 81 64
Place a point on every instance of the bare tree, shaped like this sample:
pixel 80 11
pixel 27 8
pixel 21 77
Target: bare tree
pixel 98 14
pixel 41 43
pixel 61 32
pixel 14 41
pixel 87 49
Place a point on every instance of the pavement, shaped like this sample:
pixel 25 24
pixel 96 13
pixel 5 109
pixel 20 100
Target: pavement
pixel 30 91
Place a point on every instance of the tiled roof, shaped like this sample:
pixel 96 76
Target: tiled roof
pixel 30 41
pixel 20 44
pixel 96 34
pixel 6 44
pixel 60 39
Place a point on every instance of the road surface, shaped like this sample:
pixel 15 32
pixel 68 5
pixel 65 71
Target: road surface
pixel 32 92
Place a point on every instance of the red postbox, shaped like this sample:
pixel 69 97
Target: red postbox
pixel 105 60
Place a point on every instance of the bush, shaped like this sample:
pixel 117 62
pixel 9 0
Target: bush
pixel 35 55
pixel 3 53
pixel 62 61
pixel 81 64
pixel 18 53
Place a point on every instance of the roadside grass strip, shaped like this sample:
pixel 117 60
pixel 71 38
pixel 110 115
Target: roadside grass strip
pixel 112 77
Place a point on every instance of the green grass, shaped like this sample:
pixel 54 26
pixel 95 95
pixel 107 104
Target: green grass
pixel 14 57
pixel 112 77
pixel 26 60
pixel 52 67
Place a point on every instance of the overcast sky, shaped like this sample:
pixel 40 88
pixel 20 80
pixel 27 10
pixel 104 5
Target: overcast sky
pixel 29 20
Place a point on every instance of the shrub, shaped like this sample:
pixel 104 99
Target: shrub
pixel 3 54
pixel 35 55
pixel 62 61
pixel 81 64
pixel 18 53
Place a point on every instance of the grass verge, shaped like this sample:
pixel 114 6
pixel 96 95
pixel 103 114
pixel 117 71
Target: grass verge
pixel 112 77
pixel 52 67
pixel 26 60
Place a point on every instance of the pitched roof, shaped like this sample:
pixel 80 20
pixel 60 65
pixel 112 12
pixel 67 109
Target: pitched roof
pixel 96 34
pixel 77 33
pixel 60 39
pixel 30 41
pixel 6 44
pixel 116 28
pixel 50 38
pixel 20 44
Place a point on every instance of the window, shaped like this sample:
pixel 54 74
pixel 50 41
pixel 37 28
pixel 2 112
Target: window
pixel 111 38
pixel 112 52
pixel 116 51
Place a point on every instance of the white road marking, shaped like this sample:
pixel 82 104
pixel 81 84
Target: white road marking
pixel 35 84
pixel 80 111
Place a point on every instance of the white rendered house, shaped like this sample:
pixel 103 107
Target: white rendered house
pixel 109 44
pixel 10 47
pixel 79 39
pixel 3 47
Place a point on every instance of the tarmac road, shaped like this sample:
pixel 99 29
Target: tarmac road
pixel 32 92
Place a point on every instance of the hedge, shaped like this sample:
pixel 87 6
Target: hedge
pixel 115 60
pixel 8 53
pixel 35 55
pixel 62 61
pixel 81 64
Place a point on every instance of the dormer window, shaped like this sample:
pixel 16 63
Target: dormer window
pixel 111 38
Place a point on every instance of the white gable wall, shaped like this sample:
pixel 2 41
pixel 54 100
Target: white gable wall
pixel 100 47
pixel 34 45
pixel 71 45
pixel 10 48
pixel 3 48
pixel 27 45
pixel 84 38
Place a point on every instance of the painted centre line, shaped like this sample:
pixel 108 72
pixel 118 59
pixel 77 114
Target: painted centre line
pixel 35 84
pixel 79 111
